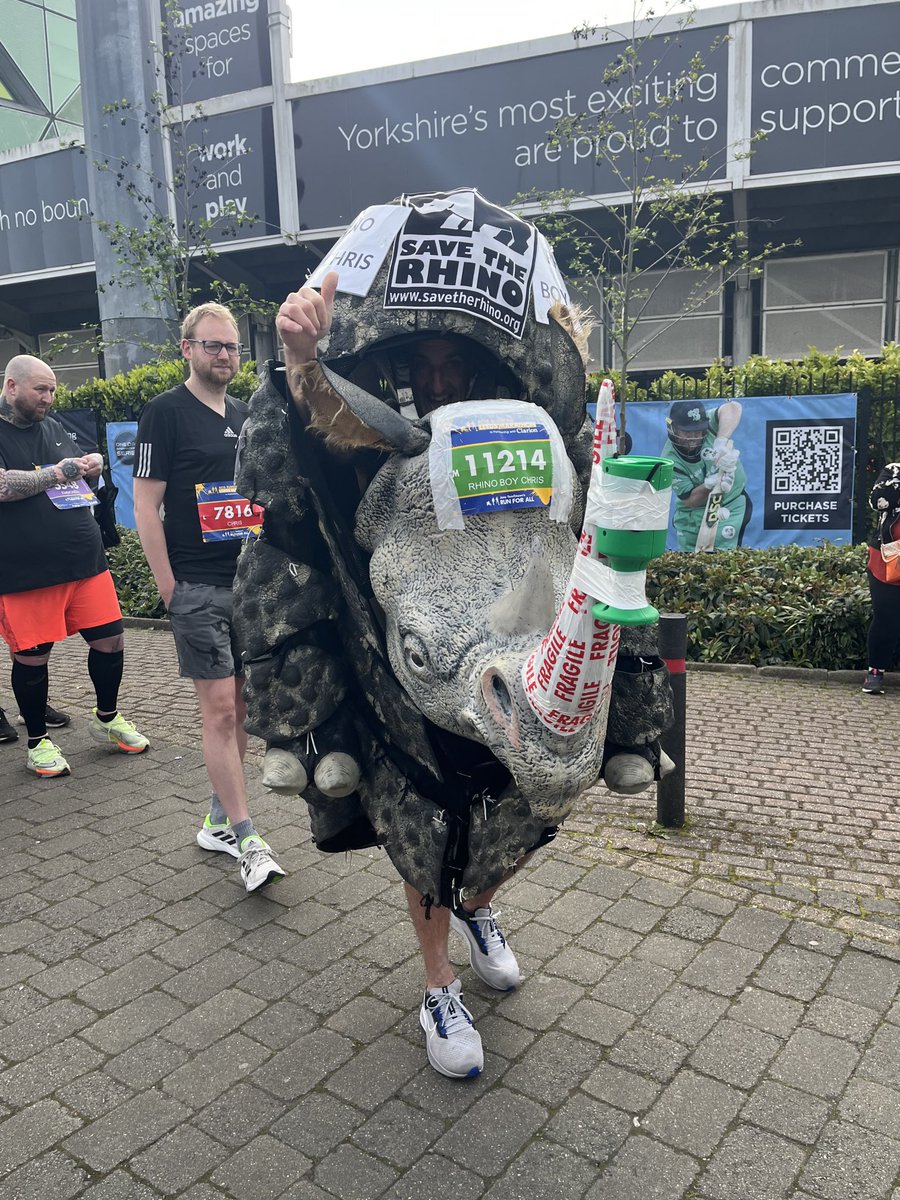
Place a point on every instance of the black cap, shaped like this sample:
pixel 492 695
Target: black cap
pixel 689 414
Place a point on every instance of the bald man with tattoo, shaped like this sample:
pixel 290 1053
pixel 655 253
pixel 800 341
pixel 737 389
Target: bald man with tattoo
pixel 54 578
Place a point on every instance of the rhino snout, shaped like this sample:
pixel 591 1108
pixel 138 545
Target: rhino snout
pixel 499 703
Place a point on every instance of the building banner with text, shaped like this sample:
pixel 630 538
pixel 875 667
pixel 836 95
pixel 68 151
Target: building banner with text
pixel 45 216
pixel 491 127
pixel 231 185
pixel 790 482
pixel 826 89
pixel 216 48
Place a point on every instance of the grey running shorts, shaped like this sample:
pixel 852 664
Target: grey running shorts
pixel 200 614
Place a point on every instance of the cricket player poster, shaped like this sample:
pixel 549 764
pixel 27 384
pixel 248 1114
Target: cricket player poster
pixel 753 471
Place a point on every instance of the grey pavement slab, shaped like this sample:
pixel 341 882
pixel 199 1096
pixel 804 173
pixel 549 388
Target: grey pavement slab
pixel 706 1015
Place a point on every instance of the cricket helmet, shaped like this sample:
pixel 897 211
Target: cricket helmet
pixel 687 425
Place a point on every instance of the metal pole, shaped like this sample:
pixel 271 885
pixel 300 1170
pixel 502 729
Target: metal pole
pixel 672 650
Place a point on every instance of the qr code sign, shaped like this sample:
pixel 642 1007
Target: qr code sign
pixel 807 459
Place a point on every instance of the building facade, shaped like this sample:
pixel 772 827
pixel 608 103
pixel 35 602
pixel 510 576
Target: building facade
pixel 273 171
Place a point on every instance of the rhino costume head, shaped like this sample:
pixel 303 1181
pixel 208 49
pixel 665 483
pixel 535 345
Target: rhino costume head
pixel 374 638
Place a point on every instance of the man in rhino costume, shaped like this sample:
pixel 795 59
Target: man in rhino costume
pixel 383 656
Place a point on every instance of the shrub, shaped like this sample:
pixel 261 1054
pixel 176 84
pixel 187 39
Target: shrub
pixel 816 374
pixel 122 397
pixel 797 605
pixel 133 578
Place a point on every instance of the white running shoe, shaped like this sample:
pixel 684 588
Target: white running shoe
pixel 258 867
pixel 490 956
pixel 217 837
pixel 451 1039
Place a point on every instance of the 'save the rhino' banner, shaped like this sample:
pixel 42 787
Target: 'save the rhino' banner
pixel 451 250
pixel 793 482
pixel 457 251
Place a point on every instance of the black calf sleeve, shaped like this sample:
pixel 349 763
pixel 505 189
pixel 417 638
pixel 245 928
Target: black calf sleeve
pixel 30 686
pixel 105 670
pixel 96 632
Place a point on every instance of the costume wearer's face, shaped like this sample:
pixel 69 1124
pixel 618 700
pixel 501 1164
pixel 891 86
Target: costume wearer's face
pixel 215 370
pixel 438 374
pixel 32 399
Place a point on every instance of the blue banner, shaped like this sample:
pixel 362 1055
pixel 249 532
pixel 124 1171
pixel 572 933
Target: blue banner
pixel 120 439
pixel 791 483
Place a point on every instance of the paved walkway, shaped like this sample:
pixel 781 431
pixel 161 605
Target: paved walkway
pixel 710 1015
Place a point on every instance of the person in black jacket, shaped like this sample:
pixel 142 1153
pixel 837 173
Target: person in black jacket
pixel 884 631
pixel 54 578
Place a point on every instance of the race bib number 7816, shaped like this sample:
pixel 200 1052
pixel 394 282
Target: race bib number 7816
pixel 225 515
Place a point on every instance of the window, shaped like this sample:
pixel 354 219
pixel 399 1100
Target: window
pixel 834 302
pixel 40 85
pixel 680 324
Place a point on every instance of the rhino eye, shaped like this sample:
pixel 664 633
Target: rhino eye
pixel 416 656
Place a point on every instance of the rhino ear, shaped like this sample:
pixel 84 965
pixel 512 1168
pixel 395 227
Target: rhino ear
pixel 349 418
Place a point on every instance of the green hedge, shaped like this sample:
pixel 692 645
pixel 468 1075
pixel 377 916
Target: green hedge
pixel 815 374
pixel 133 579
pixel 801 606
pixel 122 397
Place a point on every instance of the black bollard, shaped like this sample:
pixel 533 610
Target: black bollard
pixel 670 790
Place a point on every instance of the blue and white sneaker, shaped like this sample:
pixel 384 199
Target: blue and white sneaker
pixel 490 956
pixel 451 1039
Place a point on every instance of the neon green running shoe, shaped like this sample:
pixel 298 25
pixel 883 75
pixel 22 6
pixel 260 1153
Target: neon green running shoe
pixel 46 759
pixel 117 732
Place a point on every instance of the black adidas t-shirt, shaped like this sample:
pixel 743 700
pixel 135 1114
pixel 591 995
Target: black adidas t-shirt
pixel 40 544
pixel 182 441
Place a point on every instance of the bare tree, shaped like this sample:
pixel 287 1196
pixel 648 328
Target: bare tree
pixel 669 212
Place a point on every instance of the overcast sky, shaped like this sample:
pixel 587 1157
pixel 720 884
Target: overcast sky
pixel 340 36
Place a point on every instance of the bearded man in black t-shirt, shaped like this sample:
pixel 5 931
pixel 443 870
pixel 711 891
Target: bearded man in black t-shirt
pixel 184 464
pixel 54 578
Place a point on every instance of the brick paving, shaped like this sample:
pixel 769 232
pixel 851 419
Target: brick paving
pixel 712 1014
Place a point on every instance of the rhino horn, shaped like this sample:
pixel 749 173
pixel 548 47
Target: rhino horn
pixel 530 606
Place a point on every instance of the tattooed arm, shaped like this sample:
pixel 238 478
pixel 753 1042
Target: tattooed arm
pixel 19 485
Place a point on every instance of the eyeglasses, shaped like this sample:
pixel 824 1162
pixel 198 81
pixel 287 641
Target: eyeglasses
pixel 215 348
